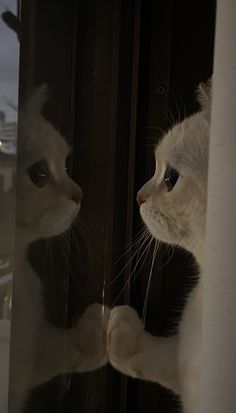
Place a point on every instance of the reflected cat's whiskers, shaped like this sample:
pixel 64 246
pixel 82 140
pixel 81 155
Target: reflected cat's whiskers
pixel 76 239
pixel 51 254
pixel 81 227
pixel 51 272
pixel 63 242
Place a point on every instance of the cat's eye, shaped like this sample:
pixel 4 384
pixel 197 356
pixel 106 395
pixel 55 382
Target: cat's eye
pixel 171 177
pixel 39 173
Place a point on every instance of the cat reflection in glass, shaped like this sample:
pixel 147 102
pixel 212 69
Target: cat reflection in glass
pixel 173 207
pixel 48 201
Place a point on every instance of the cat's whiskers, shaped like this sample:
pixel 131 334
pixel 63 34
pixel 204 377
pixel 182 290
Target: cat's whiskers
pixel 64 242
pixel 137 261
pixel 170 257
pixel 156 246
pixel 143 239
pixel 146 249
pixel 177 110
pixel 77 236
pixel 68 255
pixel 156 127
pixel 155 139
pixel 137 239
pixel 50 252
pixel 51 272
pixel 159 129
pixel 79 225
pixel 180 111
pixel 183 106
pixel 169 117
pixel 78 232
pixel 180 107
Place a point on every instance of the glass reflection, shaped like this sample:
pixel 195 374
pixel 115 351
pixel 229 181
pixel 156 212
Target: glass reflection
pixel 48 202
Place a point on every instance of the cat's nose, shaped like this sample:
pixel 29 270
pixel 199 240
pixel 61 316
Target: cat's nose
pixel 140 199
pixel 77 196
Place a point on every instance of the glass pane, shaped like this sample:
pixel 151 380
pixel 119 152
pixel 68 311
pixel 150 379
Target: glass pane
pixel 95 91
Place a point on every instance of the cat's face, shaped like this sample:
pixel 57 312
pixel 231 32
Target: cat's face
pixel 48 200
pixel 173 202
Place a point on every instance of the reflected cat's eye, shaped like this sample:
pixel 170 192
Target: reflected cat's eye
pixel 39 173
pixel 171 177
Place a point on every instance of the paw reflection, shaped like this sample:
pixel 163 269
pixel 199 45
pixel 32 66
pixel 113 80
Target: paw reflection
pixel 89 337
pixel 124 331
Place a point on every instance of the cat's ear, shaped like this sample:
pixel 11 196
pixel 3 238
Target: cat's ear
pixel 37 100
pixel 204 96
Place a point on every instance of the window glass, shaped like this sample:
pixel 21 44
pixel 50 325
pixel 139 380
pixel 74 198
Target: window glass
pixel 98 81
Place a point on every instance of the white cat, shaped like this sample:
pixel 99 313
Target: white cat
pixel 173 207
pixel 48 201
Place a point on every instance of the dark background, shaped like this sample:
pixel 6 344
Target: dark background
pixel 116 70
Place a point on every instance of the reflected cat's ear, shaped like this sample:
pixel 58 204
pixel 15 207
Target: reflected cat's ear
pixel 38 99
pixel 12 21
pixel 204 95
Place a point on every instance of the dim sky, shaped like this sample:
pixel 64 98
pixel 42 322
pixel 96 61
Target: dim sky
pixel 9 56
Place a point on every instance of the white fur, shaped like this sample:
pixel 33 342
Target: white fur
pixel 40 351
pixel 175 217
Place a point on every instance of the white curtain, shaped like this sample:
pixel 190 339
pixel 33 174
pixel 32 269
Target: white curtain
pixel 218 384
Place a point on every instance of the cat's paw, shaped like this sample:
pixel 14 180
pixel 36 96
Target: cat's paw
pixel 124 331
pixel 89 337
